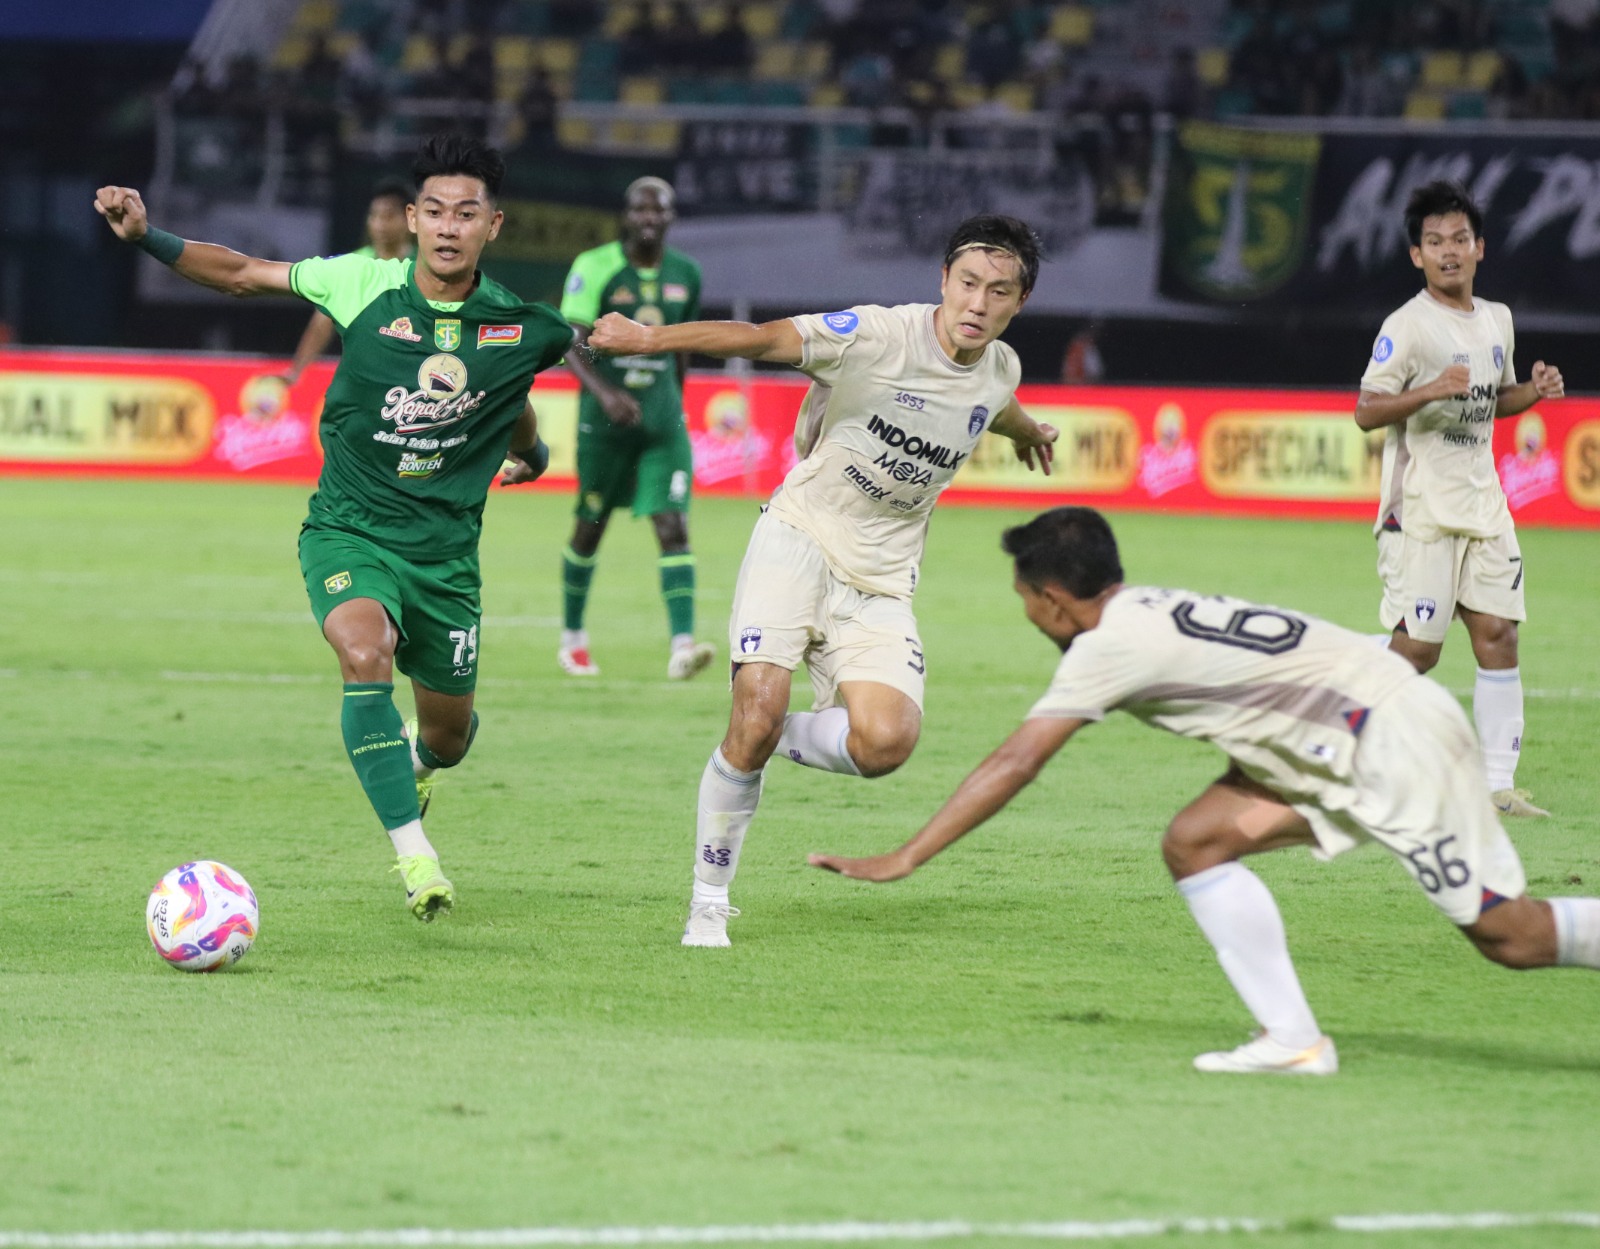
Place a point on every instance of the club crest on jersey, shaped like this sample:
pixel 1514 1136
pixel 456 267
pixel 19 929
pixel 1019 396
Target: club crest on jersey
pixel 980 414
pixel 336 584
pixel 499 335
pixel 841 322
pixel 400 327
pixel 1499 357
pixel 1426 609
pixel 1383 348
pixel 447 334
pixel 749 641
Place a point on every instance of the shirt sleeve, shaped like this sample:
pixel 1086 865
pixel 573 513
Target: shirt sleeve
pixel 556 335
pixel 1393 364
pixel 1100 670
pixel 343 285
pixel 586 283
pixel 832 340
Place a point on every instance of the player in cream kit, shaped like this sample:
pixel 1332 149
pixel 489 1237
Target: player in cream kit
pixel 899 398
pixel 1328 746
pixel 1441 374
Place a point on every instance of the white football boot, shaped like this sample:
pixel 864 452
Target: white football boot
pixel 708 924
pixel 1264 1056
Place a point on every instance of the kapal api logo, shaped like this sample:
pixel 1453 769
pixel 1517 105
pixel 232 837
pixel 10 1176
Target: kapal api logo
pixel 441 396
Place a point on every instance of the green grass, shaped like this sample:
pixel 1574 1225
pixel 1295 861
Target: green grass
pixel 1005 1037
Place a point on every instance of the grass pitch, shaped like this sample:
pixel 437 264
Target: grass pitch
pixel 1003 1038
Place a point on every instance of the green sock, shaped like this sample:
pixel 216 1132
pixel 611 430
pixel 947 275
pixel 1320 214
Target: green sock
pixel 577 571
pixel 374 737
pixel 677 588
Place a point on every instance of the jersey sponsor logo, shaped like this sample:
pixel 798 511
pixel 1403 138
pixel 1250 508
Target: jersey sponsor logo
pixel 916 447
pixel 915 402
pixel 447 334
pixel 1460 357
pixel 441 397
pixel 864 482
pixel 675 292
pixel 1499 355
pixel 337 584
pixel 841 322
pixel 749 641
pixel 1427 609
pixel 622 295
pixel 1383 348
pixel 499 335
pixel 414 465
pixel 400 327
pixel 904 470
pixel 980 414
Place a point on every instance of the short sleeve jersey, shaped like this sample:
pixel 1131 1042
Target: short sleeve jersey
pixel 420 410
pixel 1283 694
pixel 602 280
pixel 887 421
pixel 1438 465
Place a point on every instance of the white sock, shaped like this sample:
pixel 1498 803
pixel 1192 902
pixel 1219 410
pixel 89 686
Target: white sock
pixel 410 839
pixel 1497 710
pixel 728 799
pixel 682 641
pixel 816 739
pixel 419 769
pixel 1238 916
pixel 574 639
pixel 1577 931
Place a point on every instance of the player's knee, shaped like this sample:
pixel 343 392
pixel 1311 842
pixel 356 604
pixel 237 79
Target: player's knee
pixel 366 661
pixel 878 755
pixel 1190 846
pixel 753 734
pixel 672 533
pixel 1495 644
pixel 1513 952
pixel 1423 658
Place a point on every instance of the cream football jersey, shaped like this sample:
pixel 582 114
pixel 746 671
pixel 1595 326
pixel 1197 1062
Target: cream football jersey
pixel 1284 694
pixel 1438 465
pixel 887 421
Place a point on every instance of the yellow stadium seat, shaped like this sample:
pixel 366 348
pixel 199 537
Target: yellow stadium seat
pixel 827 95
pixel 775 60
pixel 966 94
pixel 619 20
pixel 1211 65
pixel 1017 96
pixel 315 15
pixel 1482 69
pixel 343 42
pixel 1424 105
pixel 559 56
pixel 417 58
pixel 950 62
pixel 513 54
pixel 812 61
pixel 763 20
pixel 292 53
pixel 574 132
pixel 1442 71
pixel 1072 25
pixel 641 90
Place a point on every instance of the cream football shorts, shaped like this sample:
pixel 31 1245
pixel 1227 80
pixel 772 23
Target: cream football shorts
pixel 1418 790
pixel 1424 582
pixel 789 609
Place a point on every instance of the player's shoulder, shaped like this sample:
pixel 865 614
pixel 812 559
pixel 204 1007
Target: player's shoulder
pixel 1498 312
pixel 597 264
pixel 681 261
pixel 502 303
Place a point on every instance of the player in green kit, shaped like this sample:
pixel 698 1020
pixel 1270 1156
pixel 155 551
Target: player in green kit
pixel 430 393
pixel 633 448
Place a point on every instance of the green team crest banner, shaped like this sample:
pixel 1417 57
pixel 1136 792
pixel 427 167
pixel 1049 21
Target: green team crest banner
pixel 1237 205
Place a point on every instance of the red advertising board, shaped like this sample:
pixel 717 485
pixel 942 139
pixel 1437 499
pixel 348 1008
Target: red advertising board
pixel 1240 452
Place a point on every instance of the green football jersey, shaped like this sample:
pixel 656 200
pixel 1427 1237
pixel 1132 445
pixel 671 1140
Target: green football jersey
pixel 601 280
pixel 417 418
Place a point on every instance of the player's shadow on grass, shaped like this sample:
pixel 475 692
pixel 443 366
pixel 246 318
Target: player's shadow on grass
pixel 1471 1053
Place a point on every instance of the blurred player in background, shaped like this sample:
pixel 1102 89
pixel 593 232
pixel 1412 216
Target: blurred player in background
pixel 388 238
pixel 633 446
pixel 1328 745
pixel 899 398
pixel 1441 374
pixel 431 391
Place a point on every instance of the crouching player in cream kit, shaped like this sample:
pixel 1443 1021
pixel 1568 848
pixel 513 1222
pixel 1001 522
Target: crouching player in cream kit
pixel 1328 744
pixel 899 398
pixel 1441 374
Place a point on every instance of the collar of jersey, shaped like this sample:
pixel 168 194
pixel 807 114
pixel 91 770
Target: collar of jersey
pixel 938 347
pixel 442 306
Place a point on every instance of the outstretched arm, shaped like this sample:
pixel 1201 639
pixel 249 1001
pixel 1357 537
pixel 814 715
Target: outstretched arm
pixel 992 784
pixel 206 264
pixel 620 407
pixel 1032 438
pixel 1546 383
pixel 775 341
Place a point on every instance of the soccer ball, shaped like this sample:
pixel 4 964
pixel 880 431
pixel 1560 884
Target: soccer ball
pixel 202 916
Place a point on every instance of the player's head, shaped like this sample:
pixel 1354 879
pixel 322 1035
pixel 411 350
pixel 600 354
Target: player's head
pixel 990 265
pixel 1066 563
pixel 649 207
pixel 1446 232
pixel 455 212
pixel 387 230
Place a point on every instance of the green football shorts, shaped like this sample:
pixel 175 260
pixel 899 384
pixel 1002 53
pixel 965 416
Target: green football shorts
pixel 436 607
pixel 650 469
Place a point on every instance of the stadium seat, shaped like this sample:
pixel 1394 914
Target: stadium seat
pixel 1072 26
pixel 950 62
pixel 813 60
pixel 574 132
pixel 559 56
pixel 762 20
pixel 776 59
pixel 641 89
pixel 418 55
pixel 1211 64
pixel 513 54
pixel 1017 96
pixel 827 95
pixel 1425 105
pixel 1482 69
pixel 315 15
pixel 1441 71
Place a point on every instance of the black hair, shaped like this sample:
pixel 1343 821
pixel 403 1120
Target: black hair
pixel 1073 547
pixel 392 188
pixel 445 155
pixel 1437 199
pixel 1005 233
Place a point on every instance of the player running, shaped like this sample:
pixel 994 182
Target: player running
pixel 1329 745
pixel 1441 374
pixel 633 447
pixel 899 398
pixel 431 390
pixel 388 238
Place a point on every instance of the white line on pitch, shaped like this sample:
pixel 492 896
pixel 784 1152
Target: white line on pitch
pixel 781 1233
